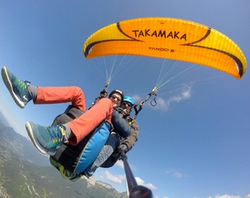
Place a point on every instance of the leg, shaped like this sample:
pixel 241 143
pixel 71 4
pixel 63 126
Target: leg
pixel 112 143
pixel 53 95
pixel 22 92
pixel 87 122
pixel 49 139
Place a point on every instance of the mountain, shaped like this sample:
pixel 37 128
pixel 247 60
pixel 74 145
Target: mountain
pixel 26 173
pixel 3 119
pixel 20 145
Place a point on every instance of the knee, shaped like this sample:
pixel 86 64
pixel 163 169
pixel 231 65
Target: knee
pixel 79 95
pixel 107 102
pixel 77 98
pixel 78 90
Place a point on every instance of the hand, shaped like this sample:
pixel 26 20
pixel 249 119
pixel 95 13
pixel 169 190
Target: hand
pixel 103 93
pixel 123 148
pixel 123 155
pixel 119 109
pixel 122 111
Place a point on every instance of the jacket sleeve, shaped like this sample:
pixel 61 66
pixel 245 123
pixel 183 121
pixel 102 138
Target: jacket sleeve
pixel 133 137
pixel 120 125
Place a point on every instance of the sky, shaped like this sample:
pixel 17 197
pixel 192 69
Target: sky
pixel 194 143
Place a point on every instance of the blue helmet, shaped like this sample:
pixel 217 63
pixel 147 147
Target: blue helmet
pixel 128 99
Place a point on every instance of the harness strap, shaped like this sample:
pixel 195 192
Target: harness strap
pixel 138 107
pixel 103 94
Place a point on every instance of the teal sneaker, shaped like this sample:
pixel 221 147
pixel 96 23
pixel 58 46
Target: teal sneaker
pixel 66 174
pixel 46 139
pixel 17 88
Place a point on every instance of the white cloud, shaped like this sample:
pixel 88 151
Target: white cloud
pixel 175 173
pixel 142 183
pixel 119 163
pixel 114 178
pixel 119 178
pixel 226 196
pixel 164 105
pixel 136 98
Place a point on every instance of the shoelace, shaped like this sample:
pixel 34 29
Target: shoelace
pixel 22 84
pixel 59 137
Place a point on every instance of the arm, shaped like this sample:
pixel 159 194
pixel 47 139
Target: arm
pixel 121 126
pixel 126 143
pixel 130 141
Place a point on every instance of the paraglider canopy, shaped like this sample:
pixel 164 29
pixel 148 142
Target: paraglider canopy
pixel 169 38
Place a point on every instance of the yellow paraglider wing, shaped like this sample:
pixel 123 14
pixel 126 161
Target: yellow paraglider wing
pixel 168 38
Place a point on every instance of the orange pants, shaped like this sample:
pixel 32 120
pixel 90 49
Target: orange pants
pixel 88 121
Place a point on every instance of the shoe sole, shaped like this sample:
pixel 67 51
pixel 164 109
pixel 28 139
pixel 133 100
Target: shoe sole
pixel 33 139
pixel 8 84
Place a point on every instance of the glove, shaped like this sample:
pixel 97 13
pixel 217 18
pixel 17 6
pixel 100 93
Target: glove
pixel 122 111
pixel 103 94
pixel 118 109
pixel 123 148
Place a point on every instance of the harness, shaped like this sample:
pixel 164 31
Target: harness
pixel 71 160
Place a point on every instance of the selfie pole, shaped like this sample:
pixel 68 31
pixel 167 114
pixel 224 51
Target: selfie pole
pixel 135 190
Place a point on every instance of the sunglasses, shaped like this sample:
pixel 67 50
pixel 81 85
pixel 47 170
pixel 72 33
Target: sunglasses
pixel 127 103
pixel 116 97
